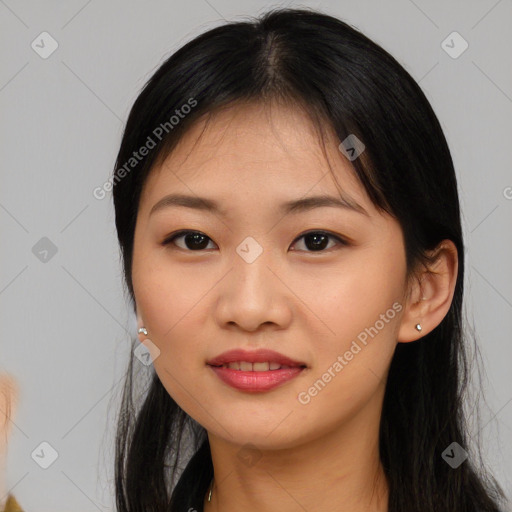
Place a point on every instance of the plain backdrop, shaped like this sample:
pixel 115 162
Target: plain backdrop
pixel 65 326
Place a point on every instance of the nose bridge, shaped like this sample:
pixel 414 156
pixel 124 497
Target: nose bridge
pixel 252 294
pixel 251 266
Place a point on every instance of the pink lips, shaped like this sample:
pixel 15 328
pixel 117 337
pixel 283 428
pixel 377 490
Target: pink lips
pixel 255 381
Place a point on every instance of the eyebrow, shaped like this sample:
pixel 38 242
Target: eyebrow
pixel 293 206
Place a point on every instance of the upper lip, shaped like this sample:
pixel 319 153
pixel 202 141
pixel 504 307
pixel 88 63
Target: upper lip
pixel 253 356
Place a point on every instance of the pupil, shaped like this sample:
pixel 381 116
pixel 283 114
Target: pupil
pixel 317 244
pixel 196 237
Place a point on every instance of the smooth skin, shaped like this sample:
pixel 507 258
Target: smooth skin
pixel 272 453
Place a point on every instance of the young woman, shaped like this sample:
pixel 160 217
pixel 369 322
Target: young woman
pixel 287 210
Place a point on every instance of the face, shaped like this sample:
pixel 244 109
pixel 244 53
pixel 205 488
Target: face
pixel 321 285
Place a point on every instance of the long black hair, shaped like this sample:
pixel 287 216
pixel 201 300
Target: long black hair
pixel 341 79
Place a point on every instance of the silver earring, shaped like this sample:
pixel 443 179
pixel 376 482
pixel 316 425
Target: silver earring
pixel 210 493
pixel 143 330
pixel 418 327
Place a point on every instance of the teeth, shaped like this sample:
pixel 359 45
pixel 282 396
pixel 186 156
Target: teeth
pixel 254 367
pixel 260 367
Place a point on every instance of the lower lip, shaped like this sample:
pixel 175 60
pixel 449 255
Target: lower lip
pixel 255 381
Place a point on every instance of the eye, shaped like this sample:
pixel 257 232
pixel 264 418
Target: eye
pixel 314 241
pixel 194 240
pixel 317 240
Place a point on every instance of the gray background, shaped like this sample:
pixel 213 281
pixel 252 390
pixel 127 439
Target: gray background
pixel 65 325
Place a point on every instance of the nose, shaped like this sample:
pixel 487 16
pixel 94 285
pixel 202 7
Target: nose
pixel 253 294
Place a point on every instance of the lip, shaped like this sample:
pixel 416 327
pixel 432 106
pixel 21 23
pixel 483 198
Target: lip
pixel 253 356
pixel 253 381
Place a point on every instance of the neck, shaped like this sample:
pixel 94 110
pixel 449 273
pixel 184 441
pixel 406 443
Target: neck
pixel 339 471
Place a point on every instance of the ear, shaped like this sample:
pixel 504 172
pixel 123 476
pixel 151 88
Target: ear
pixel 140 323
pixel 430 293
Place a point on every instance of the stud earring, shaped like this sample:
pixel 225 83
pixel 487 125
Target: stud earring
pixel 418 327
pixel 143 330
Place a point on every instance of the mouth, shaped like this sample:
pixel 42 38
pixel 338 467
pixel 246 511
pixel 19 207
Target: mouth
pixel 255 371
pixel 246 366
pixel 255 358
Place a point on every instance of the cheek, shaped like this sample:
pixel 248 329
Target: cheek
pixel 352 356
pixel 169 302
pixel 166 293
pixel 352 298
pixel 357 310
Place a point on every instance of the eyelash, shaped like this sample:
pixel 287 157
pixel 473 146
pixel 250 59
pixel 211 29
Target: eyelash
pixel 182 233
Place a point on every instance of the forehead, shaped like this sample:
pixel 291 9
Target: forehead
pixel 253 150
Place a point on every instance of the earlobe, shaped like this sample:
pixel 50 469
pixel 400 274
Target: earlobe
pixel 431 293
pixel 414 322
pixel 141 330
